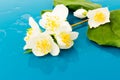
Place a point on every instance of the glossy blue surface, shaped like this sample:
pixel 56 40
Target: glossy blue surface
pixel 85 61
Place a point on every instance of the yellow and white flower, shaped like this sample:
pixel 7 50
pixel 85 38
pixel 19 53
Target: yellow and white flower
pixel 43 44
pixel 31 32
pixel 98 17
pixel 40 43
pixel 65 39
pixel 55 24
pixel 55 20
pixel 80 13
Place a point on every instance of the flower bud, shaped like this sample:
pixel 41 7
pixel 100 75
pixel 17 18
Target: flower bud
pixel 80 13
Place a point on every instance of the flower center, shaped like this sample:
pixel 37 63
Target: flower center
pixel 44 46
pixel 99 17
pixel 66 38
pixel 53 22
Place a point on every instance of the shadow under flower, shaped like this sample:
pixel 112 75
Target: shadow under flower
pixel 48 64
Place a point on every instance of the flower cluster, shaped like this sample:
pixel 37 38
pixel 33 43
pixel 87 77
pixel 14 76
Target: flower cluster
pixel 58 33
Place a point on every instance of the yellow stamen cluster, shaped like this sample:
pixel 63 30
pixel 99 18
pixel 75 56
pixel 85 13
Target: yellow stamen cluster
pixel 99 17
pixel 66 38
pixel 29 33
pixel 52 23
pixel 44 46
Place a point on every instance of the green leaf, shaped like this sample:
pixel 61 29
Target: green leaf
pixel 107 34
pixel 43 11
pixel 28 51
pixel 76 4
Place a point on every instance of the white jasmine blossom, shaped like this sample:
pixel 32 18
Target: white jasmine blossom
pixel 40 43
pixel 65 39
pixel 43 44
pixel 98 17
pixel 55 20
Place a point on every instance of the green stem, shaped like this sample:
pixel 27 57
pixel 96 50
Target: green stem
pixel 78 23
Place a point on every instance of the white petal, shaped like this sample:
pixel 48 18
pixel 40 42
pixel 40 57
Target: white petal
pixel 33 24
pixel 49 32
pixel 55 49
pixel 61 44
pixel 30 42
pixel 108 20
pixel 65 26
pixel 107 14
pixel 61 11
pixel 74 35
pixel 35 27
pixel 106 11
pixel 37 53
pixel 93 24
pixel 42 22
pixel 59 41
pixel 28 46
pixel 90 14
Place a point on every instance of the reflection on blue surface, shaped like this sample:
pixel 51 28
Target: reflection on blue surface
pixel 47 64
pixel 85 61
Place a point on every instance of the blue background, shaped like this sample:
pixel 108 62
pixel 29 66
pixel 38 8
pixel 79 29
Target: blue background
pixel 85 61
